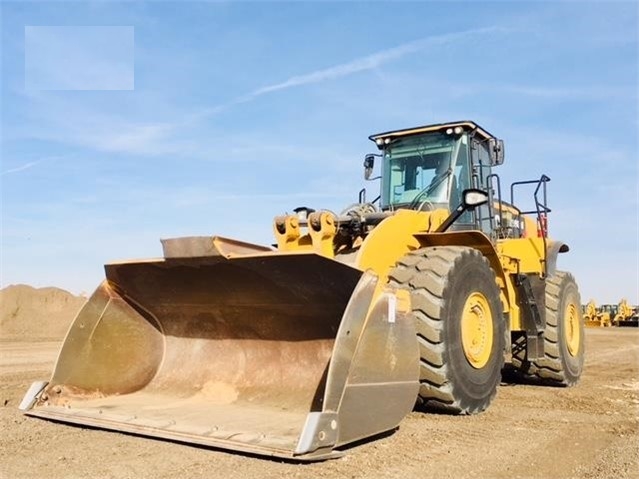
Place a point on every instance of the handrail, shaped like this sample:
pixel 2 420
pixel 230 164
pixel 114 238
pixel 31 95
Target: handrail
pixel 541 210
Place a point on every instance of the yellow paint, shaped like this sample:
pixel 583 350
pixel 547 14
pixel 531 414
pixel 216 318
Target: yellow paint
pixel 289 235
pixel 322 230
pixel 520 255
pixel 390 240
pixel 523 255
pixel 592 317
pixel 408 230
pixel 477 330
pixel 287 232
pixel 591 309
pixel 597 317
pixel 624 311
pixel 530 227
pixel 572 328
pixel 437 217
pixel 514 312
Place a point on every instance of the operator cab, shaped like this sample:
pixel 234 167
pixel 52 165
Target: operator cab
pixel 429 167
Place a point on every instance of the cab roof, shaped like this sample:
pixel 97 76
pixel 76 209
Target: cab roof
pixel 465 124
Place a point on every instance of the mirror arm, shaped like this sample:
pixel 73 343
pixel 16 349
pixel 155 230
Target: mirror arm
pixel 452 218
pixel 463 207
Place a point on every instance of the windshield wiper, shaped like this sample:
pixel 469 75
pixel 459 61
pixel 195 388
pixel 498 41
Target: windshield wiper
pixel 429 189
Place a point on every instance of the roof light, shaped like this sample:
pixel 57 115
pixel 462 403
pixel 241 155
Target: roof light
pixel 386 141
pixel 458 130
pixel 379 141
pixel 449 131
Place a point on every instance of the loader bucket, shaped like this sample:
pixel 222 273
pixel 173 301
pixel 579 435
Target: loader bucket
pixel 290 355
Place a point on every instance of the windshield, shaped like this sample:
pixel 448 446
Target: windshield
pixel 425 169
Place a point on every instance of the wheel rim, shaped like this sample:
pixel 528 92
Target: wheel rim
pixel 571 328
pixel 477 330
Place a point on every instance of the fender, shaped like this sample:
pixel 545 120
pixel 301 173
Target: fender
pixel 552 251
pixel 472 239
pixel 479 241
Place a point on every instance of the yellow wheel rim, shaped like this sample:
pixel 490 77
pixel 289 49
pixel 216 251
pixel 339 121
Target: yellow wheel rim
pixel 477 330
pixel 571 329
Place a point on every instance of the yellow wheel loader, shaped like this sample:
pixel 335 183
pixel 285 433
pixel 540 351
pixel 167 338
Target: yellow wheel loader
pixel 626 315
pixel 338 331
pixel 598 317
pixel 590 315
pixel 605 314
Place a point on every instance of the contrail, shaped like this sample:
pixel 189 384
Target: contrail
pixel 368 62
pixel 26 166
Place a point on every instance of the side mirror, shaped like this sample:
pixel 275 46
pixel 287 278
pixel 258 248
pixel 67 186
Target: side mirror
pixel 473 198
pixel 369 162
pixel 496 151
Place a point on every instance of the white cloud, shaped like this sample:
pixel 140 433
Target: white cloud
pixel 79 57
pixel 56 120
pixel 131 138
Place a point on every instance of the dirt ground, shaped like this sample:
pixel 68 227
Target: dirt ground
pixel 590 431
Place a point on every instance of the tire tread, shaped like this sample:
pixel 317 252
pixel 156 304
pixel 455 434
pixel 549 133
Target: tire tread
pixel 425 273
pixel 550 369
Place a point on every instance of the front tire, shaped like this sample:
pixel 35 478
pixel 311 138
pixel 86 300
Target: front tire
pixel 460 326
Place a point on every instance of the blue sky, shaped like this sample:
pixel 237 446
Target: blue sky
pixel 126 122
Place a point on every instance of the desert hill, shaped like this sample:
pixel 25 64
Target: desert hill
pixel 28 314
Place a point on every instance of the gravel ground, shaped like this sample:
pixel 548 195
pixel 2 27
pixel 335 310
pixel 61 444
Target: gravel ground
pixel 589 431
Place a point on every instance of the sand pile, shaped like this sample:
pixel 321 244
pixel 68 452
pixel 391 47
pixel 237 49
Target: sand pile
pixel 27 313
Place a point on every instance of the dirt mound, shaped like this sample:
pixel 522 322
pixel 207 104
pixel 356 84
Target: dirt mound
pixel 29 314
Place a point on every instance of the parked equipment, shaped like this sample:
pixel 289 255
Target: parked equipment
pixel 606 313
pixel 590 314
pixel 595 317
pixel 626 315
pixel 331 336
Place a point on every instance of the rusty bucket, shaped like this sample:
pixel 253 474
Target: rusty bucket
pixel 290 355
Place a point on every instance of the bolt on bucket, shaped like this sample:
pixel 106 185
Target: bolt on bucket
pixel 290 355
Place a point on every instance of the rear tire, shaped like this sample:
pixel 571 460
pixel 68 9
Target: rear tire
pixel 460 326
pixel 563 360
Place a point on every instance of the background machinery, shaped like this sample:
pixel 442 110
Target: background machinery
pixel 605 314
pixel 626 315
pixel 590 314
pixel 333 335
pixel 598 317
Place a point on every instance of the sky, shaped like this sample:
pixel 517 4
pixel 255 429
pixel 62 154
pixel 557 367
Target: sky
pixel 126 122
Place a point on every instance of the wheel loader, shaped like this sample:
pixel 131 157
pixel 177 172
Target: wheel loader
pixel 606 313
pixel 626 315
pixel 341 327
pixel 590 315
pixel 598 317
